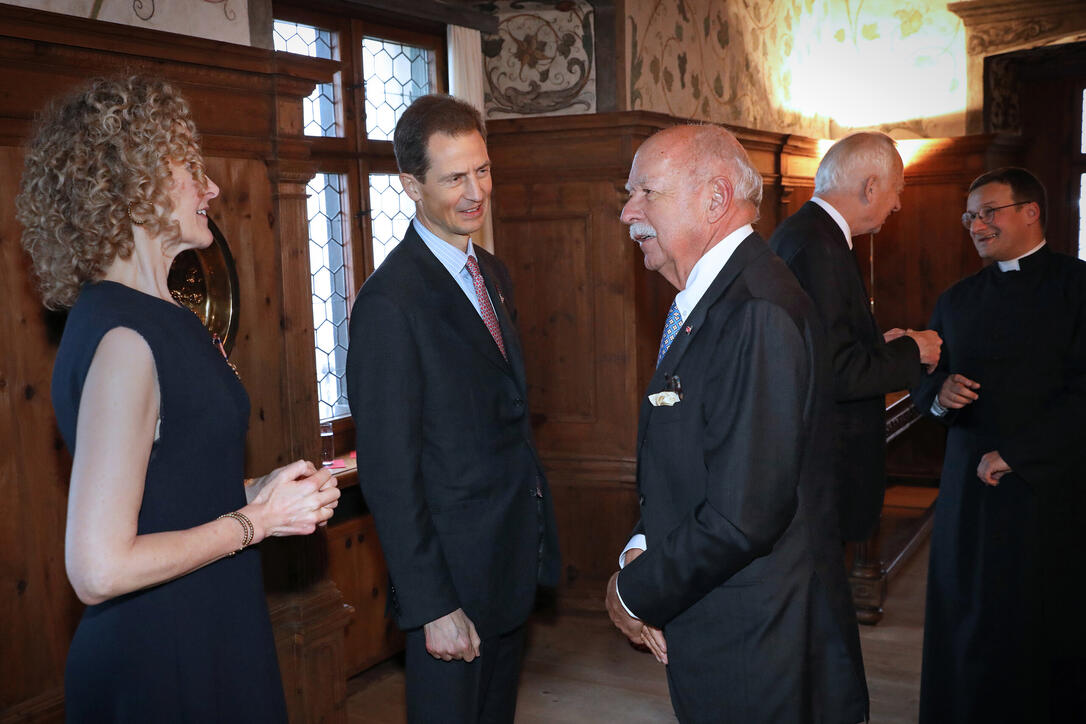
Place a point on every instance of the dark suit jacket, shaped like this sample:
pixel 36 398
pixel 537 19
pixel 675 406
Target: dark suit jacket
pixel 743 564
pixel 865 367
pixel 446 460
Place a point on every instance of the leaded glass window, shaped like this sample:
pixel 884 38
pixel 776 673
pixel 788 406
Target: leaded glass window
pixel 395 75
pixel 390 212
pixel 330 279
pixel 319 109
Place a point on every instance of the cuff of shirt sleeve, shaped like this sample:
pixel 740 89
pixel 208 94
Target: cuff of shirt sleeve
pixel 637 541
pixel 937 409
pixel 619 594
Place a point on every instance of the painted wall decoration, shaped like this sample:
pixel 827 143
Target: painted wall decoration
pixel 542 59
pixel 225 20
pixel 817 67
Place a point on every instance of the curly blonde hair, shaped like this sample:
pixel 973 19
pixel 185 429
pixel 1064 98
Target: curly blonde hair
pixel 99 161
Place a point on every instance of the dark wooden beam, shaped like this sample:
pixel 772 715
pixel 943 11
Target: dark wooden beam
pixel 447 13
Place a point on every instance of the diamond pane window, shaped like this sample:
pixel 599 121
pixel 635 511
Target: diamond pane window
pixel 390 212
pixel 395 75
pixel 329 278
pixel 319 109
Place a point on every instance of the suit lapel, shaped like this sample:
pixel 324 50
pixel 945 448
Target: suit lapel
pixel 450 303
pixel 748 250
pixel 509 331
pixel 833 231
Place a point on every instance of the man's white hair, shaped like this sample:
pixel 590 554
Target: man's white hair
pixel 853 159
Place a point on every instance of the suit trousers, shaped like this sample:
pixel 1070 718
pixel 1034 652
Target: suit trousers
pixel 483 691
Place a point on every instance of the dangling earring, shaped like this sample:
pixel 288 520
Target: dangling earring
pixel 132 218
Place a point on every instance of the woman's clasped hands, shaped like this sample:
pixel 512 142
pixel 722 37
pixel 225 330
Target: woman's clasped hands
pixel 292 500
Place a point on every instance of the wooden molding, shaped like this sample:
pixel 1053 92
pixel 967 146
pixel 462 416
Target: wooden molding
pixel 609 471
pixel 996 25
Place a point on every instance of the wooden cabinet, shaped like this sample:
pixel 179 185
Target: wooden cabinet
pixel 357 565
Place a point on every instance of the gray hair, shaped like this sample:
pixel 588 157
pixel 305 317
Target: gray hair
pixel 714 147
pixel 853 159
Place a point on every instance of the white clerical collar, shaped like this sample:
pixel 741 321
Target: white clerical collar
pixel 707 269
pixel 836 216
pixel 1013 265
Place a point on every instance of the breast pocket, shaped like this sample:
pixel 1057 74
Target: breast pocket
pixel 667 415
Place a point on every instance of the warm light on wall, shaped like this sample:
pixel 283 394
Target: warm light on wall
pixel 881 65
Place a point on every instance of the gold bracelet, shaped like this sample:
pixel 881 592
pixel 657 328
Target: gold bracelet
pixel 247 529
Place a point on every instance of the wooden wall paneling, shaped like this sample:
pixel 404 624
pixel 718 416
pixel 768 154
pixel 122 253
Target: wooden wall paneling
pixel 572 311
pixel 244 213
pixel 38 610
pixel 357 565
pixel 595 509
pixel 558 194
pixel 571 260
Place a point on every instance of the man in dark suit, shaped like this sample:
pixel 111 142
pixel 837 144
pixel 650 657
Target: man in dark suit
pixel 734 577
pixel 857 186
pixel 446 461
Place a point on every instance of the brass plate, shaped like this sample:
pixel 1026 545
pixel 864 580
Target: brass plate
pixel 206 281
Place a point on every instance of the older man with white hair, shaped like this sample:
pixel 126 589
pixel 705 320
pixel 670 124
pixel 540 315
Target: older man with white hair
pixel 857 186
pixel 734 576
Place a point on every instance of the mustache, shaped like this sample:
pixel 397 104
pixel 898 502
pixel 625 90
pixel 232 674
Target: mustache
pixel 642 230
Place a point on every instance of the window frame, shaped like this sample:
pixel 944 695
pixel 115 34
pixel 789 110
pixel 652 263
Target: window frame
pixel 352 154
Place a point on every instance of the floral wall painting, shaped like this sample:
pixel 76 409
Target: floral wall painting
pixel 817 67
pixel 541 60
pixel 225 20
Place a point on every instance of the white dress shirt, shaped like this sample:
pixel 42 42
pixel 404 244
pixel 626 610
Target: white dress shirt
pixel 836 216
pixel 454 261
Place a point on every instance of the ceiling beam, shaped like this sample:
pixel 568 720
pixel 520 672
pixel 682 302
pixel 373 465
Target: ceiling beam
pixel 446 13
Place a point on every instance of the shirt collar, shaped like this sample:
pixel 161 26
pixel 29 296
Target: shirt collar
pixel 1013 265
pixel 450 257
pixel 836 216
pixel 707 269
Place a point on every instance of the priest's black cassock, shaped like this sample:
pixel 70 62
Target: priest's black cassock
pixel 1006 606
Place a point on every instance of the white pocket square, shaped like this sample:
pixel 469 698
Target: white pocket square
pixel 664 399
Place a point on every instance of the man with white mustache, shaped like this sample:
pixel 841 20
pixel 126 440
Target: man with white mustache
pixel 734 576
pixel 1004 633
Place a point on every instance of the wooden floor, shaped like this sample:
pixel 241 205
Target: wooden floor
pixel 577 669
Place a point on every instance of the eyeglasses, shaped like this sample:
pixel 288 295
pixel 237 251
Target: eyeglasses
pixel 986 214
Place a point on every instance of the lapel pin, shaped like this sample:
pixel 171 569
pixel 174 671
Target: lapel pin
pixel 689 330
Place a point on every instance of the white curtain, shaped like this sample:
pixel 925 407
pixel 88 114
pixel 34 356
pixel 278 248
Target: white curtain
pixel 466 83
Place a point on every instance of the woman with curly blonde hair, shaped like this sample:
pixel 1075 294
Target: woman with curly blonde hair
pixel 160 523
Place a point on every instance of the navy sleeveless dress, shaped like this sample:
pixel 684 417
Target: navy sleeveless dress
pixel 198 648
